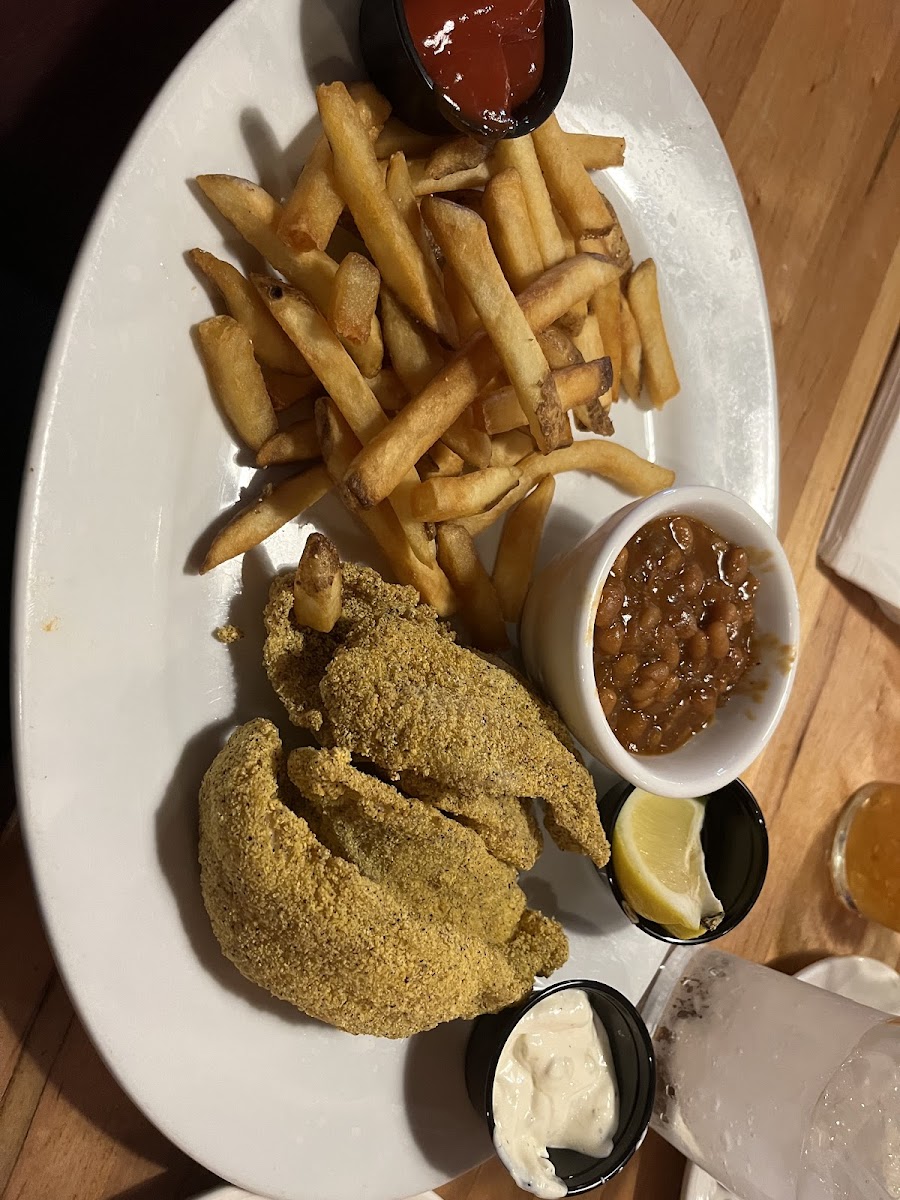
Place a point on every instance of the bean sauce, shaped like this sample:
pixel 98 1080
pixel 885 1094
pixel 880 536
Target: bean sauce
pixel 672 633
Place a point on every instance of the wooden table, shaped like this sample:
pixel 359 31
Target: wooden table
pixel 806 96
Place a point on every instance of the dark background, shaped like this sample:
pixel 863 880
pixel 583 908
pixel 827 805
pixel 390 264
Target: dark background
pixel 75 78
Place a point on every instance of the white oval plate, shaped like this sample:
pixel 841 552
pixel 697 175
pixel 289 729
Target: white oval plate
pixel 124 696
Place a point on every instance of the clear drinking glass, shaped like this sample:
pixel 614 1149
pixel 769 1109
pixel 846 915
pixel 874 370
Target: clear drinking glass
pixel 770 1084
pixel 865 856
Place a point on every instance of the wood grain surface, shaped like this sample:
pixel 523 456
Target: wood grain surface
pixel 806 94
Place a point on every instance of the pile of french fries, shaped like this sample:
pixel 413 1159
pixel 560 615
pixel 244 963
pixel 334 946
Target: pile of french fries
pixel 436 313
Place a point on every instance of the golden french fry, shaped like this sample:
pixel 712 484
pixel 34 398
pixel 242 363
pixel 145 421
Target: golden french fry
pixel 447 498
pixel 631 352
pixel 360 181
pixel 520 154
pixel 505 211
pixel 572 190
pixel 593 415
pixel 385 460
pixel 559 349
pixel 416 354
pixel 399 188
pixel 518 548
pixel 314 207
pixel 479 605
pixel 508 449
pixel 500 411
pixel 459 154
pixel 237 380
pixel 440 460
pixel 463 237
pixel 339 447
pixel 270 345
pixel 399 137
pixel 597 152
pixel 614 462
pixel 275 507
pixel 607 308
pixel 568 240
pixel 318 585
pixel 660 375
pixel 354 298
pixel 255 215
pixel 464 314
pixel 469 443
pixel 297 443
pixel 287 390
pixel 388 390
pixel 305 326
pixel 424 185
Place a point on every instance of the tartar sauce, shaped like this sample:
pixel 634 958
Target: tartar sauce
pixel 554 1087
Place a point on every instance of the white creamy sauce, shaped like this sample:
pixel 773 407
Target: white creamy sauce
pixel 554 1087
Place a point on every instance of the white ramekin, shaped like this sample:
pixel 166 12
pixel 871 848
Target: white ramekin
pixel 557 640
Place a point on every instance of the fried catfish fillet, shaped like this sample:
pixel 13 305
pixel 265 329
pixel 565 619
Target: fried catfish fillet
pixel 408 698
pixel 311 928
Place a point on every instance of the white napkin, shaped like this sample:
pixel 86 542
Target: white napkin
pixel 861 541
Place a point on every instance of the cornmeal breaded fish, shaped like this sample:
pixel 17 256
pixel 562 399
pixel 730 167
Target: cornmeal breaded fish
pixel 311 928
pixel 407 698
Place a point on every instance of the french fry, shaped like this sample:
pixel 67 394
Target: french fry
pixel 621 466
pixel 508 449
pixel 255 215
pixel 441 460
pixel 388 390
pixel 597 152
pixel 339 447
pixel 305 326
pixel 469 443
pixel 297 443
pixel 416 354
pixel 318 585
pixel 424 185
pixel 568 239
pixel 275 507
pixel 479 605
pixel 505 211
pixel 559 349
pixel 270 345
pixel 520 154
pixel 571 188
pixel 606 307
pixel 463 237
pixel 594 414
pixel 237 380
pixel 660 375
pixel 518 548
pixel 314 207
pixel 286 391
pixel 387 458
pixel 464 314
pixel 397 137
pixel 399 188
pixel 459 154
pixel 631 352
pixel 354 299
pixel 359 180
pixel 447 498
pixel 500 411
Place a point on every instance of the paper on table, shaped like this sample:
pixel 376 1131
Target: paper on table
pixel 861 541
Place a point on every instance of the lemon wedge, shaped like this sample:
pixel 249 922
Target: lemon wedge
pixel 659 866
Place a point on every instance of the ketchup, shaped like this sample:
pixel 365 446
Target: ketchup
pixel 486 56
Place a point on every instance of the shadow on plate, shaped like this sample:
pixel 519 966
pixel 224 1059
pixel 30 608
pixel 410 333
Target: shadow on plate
pixel 329 41
pixel 177 815
pixel 445 1127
